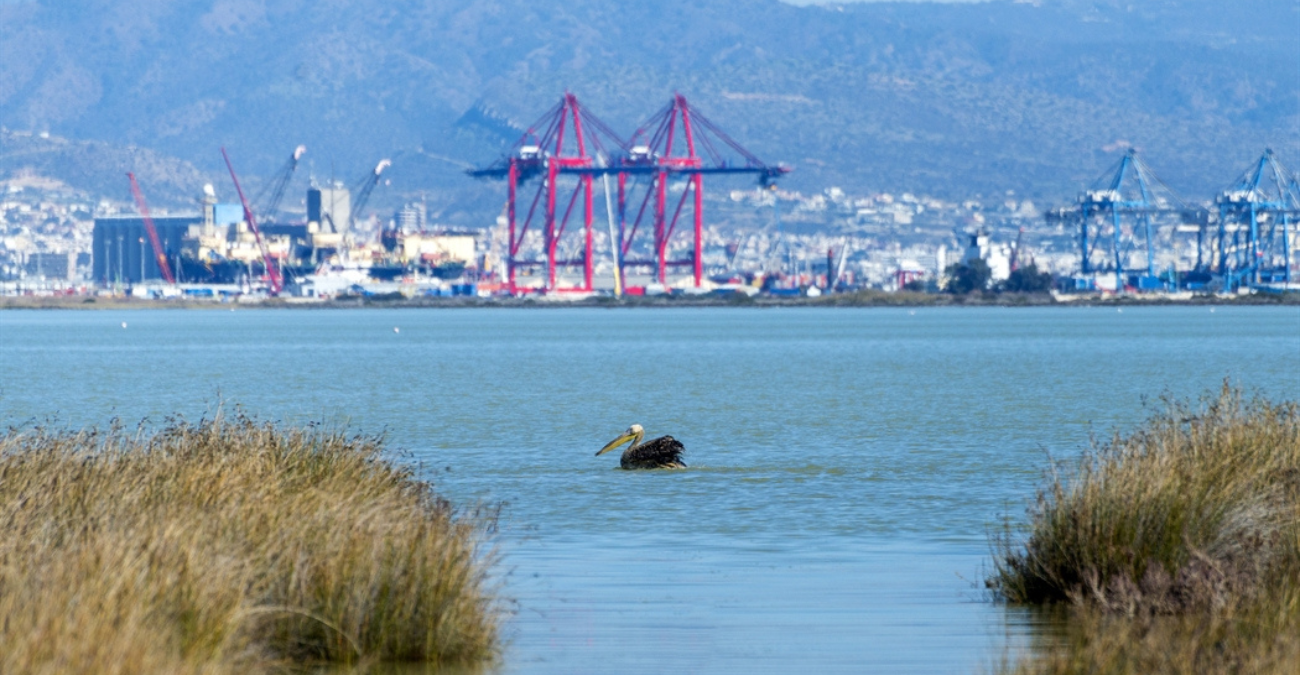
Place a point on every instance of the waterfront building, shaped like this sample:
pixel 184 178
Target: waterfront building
pixel 121 251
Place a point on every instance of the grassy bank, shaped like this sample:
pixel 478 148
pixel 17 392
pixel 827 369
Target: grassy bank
pixel 1176 548
pixel 230 545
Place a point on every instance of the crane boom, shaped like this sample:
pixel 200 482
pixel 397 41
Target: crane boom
pixel 844 258
pixel 367 186
pixel 277 187
pixel 153 232
pixel 272 272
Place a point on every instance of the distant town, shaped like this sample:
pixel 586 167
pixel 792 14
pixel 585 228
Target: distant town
pixel 326 243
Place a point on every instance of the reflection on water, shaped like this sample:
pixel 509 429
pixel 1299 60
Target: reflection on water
pixel 846 465
pixel 391 668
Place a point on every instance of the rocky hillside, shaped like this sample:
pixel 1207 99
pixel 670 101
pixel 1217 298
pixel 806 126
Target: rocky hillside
pixel 948 99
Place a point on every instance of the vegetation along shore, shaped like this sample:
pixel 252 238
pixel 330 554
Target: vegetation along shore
pixel 1174 549
pixel 236 545
pixel 231 545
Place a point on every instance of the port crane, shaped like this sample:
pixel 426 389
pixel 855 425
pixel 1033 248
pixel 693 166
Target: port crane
pixel 364 187
pixel 567 140
pixel 676 143
pixel 267 206
pixel 1255 214
pixel 272 271
pixel 159 255
pixel 1132 196
pixel 679 142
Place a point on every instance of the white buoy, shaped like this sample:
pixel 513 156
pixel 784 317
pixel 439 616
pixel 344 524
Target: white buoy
pixel 124 324
pixel 396 329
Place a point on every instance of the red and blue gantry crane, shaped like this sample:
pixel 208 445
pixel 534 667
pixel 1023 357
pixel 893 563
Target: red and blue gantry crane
pixel 567 140
pixel 676 144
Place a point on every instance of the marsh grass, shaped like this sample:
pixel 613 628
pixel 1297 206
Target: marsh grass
pixel 1255 635
pixel 231 545
pixel 1177 547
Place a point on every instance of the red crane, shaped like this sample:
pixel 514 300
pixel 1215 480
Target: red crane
pixel 567 140
pixel 272 272
pixel 652 156
pixel 153 232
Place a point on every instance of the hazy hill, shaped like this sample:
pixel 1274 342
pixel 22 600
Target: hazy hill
pixel 951 99
pixel 99 167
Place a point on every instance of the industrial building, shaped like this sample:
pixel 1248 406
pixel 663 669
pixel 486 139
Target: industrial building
pixel 218 246
pixel 121 250
pixel 330 208
pixel 61 265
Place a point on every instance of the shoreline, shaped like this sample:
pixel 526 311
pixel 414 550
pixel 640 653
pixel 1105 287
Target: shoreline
pixel 859 299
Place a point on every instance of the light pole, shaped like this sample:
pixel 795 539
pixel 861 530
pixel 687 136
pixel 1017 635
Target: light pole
pixel 142 260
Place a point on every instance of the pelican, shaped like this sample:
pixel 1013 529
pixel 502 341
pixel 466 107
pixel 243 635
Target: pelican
pixel 664 452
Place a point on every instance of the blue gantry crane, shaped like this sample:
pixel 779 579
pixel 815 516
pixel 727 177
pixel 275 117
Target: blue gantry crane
pixel 1128 194
pixel 1255 215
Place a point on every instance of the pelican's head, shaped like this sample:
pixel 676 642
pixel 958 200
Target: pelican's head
pixel 633 434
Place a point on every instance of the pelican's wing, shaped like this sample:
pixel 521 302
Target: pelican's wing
pixel 664 451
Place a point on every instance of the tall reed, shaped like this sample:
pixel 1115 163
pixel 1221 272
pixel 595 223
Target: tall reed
pixel 230 545
pixel 1177 546
pixel 1199 502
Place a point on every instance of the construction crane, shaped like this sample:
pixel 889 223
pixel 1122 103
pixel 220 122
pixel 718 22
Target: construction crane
pixel 158 252
pixel 272 272
pixel 267 207
pixel 365 187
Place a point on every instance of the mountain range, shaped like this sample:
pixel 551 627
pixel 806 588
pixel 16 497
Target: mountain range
pixel 954 100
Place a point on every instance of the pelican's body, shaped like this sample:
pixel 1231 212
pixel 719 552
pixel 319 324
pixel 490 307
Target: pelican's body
pixel 664 452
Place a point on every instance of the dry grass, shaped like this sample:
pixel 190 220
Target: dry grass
pixel 1260 635
pixel 1177 547
pixel 230 545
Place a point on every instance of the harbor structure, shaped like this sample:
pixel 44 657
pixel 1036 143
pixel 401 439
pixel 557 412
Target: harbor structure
pixel 1257 214
pixel 1245 240
pixel 676 145
pixel 330 208
pixel 121 252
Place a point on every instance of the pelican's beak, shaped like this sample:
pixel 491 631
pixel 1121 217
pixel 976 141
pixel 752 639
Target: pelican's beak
pixel 615 443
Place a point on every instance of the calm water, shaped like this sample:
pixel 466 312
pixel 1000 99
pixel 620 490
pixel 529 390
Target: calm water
pixel 846 465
